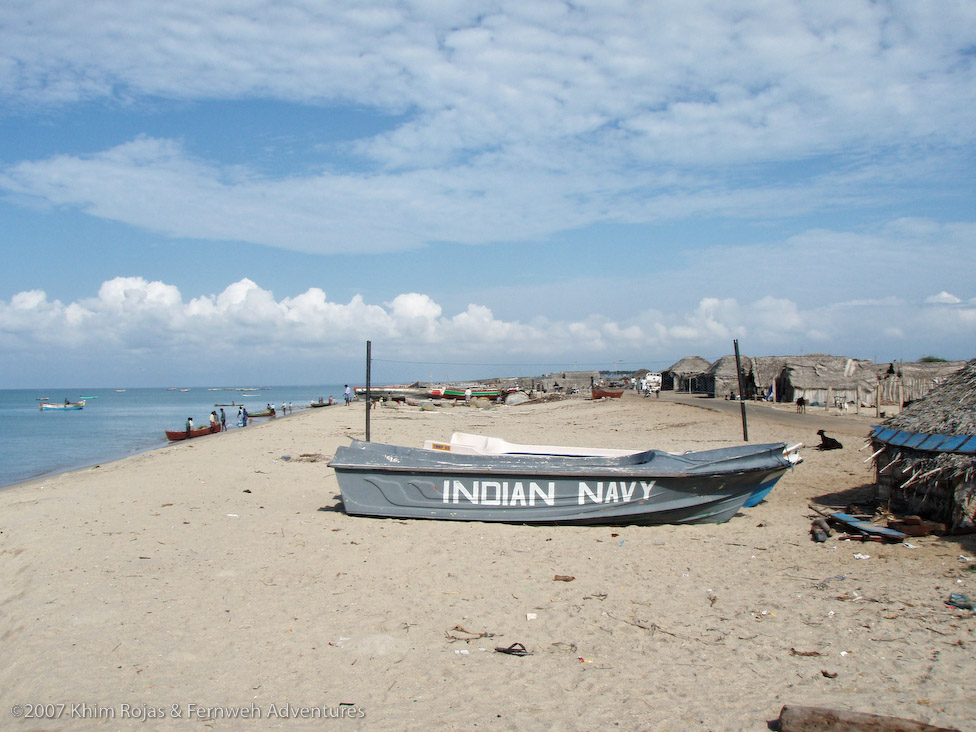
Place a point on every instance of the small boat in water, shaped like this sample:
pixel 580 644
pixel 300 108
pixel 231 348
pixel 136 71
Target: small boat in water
pixel 62 406
pixel 174 435
pixel 262 413
pixel 650 487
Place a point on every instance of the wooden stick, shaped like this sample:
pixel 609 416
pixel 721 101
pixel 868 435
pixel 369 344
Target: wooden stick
pixel 821 719
pixel 874 455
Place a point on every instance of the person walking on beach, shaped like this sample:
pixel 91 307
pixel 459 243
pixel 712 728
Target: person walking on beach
pixel 348 395
pixel 223 420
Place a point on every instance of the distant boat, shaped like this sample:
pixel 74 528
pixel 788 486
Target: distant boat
pixel 119 391
pixel 599 392
pixel 174 435
pixel 62 406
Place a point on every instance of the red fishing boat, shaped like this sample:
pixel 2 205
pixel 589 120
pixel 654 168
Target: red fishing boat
pixel 175 435
pixel 599 392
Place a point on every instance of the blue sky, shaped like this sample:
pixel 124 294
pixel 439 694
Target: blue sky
pixel 212 192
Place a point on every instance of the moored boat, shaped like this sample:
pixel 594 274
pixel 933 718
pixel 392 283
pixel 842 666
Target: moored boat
pixel 209 429
pixel 62 406
pixel 262 413
pixel 600 392
pixel 650 487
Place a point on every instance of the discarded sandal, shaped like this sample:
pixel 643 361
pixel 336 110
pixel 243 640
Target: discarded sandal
pixel 516 649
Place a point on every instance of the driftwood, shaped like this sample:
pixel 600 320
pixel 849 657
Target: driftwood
pixel 820 719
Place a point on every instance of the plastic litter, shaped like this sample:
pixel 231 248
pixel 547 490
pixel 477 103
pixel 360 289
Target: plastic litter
pixel 961 601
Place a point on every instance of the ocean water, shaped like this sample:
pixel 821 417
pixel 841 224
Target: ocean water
pixel 115 424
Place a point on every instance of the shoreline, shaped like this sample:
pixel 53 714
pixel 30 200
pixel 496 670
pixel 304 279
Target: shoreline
pixel 218 573
pixel 122 456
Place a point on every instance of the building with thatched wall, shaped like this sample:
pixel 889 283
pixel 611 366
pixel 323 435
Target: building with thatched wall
pixel 903 383
pixel 825 380
pixel 688 374
pixel 925 457
pixel 722 378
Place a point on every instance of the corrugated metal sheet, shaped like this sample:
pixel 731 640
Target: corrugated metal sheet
pixel 926 442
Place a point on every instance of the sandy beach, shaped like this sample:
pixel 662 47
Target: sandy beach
pixel 218 577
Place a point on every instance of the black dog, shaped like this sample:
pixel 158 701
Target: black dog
pixel 828 443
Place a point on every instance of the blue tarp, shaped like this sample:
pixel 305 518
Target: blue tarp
pixel 924 441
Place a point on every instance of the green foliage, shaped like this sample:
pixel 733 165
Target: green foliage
pixel 931 359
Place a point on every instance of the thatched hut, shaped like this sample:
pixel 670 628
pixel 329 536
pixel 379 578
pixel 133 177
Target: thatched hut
pixel 688 374
pixel 825 380
pixel 722 377
pixel 925 457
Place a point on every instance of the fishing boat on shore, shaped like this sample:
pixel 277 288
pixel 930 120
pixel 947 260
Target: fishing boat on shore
pixel 262 413
pixel 462 392
pixel 210 429
pixel 601 392
pixel 392 393
pixel 650 487
pixel 464 443
pixel 62 406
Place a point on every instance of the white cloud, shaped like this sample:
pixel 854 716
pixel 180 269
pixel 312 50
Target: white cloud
pixel 515 120
pixel 135 317
pixel 943 298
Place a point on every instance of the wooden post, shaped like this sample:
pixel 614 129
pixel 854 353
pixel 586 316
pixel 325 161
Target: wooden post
pixel 742 392
pixel 369 399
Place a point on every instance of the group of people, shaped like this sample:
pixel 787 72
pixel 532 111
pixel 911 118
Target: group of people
pixel 242 417
pixel 214 420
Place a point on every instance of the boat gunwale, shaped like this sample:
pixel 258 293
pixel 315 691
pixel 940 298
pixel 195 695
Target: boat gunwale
pixel 561 466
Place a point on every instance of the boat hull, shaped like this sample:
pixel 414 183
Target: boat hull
pixel 61 407
pixel 645 488
pixel 469 444
pixel 598 393
pixel 475 393
pixel 175 435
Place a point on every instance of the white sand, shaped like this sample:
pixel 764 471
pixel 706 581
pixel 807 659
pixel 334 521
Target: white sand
pixel 214 573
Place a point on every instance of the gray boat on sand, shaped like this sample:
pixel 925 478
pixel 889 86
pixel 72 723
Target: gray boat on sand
pixel 650 487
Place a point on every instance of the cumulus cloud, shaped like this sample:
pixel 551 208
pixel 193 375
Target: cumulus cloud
pixel 943 298
pixel 137 318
